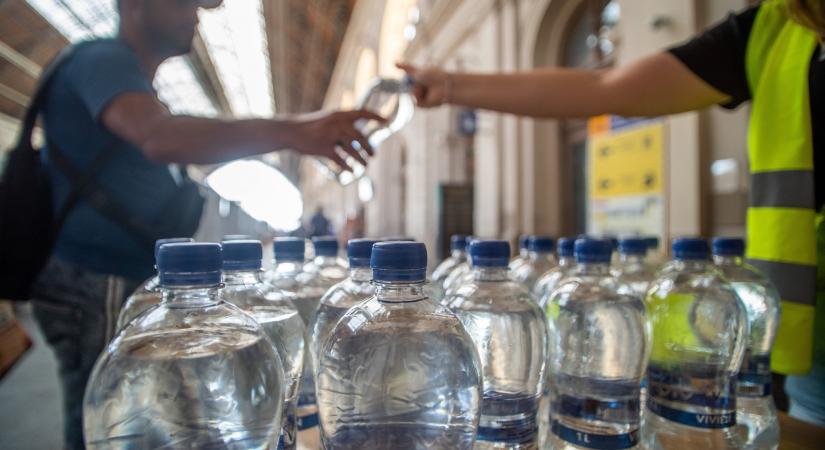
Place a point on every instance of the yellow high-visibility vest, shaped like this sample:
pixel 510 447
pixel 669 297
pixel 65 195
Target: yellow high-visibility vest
pixel 781 230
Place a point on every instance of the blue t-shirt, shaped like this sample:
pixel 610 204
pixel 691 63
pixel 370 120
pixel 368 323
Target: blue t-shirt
pixel 83 86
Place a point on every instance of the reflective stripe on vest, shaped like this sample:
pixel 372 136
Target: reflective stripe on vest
pixel 781 216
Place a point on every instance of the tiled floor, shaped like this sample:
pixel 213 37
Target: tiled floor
pixel 30 414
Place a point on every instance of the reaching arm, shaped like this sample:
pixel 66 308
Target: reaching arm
pixel 657 85
pixel 142 120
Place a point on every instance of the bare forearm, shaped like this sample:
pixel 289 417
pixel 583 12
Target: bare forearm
pixel 192 140
pixel 656 85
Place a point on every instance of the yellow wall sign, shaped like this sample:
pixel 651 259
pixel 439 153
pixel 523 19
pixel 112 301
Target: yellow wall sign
pixel 626 162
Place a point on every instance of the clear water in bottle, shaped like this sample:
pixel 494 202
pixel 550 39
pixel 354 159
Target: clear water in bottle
pixel 147 294
pixel 344 295
pixel 597 353
pixel 274 311
pixel 399 371
pixel 306 290
pixel 326 262
pixel 509 333
pixel 194 372
pixel 699 329
pixel 551 279
pixel 632 268
pixel 539 261
pixel 458 255
pixel 523 252
pixel 755 408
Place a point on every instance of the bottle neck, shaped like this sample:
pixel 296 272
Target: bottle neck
pixel 593 269
pixel 289 266
pixel 190 296
pixel 242 277
pixel 360 274
pixel 399 292
pixel 727 260
pixel 693 265
pixel 566 261
pixel 490 273
pixel 535 256
pixel 630 258
pixel 458 254
pixel 325 260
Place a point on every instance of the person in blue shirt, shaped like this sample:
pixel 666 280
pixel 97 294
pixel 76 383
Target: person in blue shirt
pixel 102 99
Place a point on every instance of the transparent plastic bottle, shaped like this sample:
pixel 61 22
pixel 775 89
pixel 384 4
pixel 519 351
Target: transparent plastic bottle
pixel 458 246
pixel 539 261
pixel 147 294
pixel 306 289
pixel 523 252
pixel 194 372
pixel 755 409
pixel 390 98
pixel 326 262
pixel 510 335
pixel 632 269
pixel 551 279
pixel 399 371
pixel 654 253
pixel 274 311
pixel 344 295
pixel 699 327
pixel 598 348
pixel 461 273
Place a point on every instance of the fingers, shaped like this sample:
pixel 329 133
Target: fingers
pixel 409 68
pixel 363 114
pixel 357 136
pixel 340 161
pixel 346 146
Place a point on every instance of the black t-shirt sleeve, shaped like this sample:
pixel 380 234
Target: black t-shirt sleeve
pixel 717 56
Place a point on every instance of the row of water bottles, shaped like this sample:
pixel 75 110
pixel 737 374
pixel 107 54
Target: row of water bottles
pixel 220 357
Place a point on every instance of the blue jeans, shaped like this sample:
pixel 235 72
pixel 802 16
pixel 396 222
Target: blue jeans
pixel 77 311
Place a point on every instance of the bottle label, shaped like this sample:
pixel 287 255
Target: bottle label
pixel 596 441
pixel 622 411
pixel 754 378
pixel 508 419
pixel 671 394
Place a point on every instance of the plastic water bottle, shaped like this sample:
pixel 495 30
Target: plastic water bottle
pixel 539 261
pixel 306 289
pixel 274 311
pixel 509 333
pixel 194 372
pixel 597 353
pixel 755 409
pixel 147 294
pixel 551 279
pixel 523 252
pixel 344 295
pixel 699 327
pixel 633 269
pixel 654 254
pixel 399 371
pixel 458 255
pixel 462 273
pixel 326 262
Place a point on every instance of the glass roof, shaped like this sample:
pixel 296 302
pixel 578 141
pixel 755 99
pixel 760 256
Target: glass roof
pixel 235 38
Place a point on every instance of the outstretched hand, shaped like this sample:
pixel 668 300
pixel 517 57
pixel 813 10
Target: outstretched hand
pixel 431 86
pixel 327 134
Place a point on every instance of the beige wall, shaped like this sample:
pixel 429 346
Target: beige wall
pixel 516 160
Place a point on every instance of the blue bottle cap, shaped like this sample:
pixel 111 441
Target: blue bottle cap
pixel 161 242
pixel 490 253
pixel 325 245
pixel 690 248
pixel 190 264
pixel 458 242
pixel 289 249
pixel 633 246
pixel 242 255
pixel 566 247
pixel 652 242
pixel 399 261
pixel 524 241
pixel 541 244
pixel 590 250
pixel 359 252
pixel 728 246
